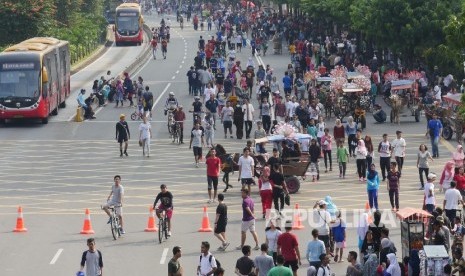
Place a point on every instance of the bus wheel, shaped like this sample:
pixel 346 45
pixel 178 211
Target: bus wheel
pixel 55 112
pixel 45 121
pixel 117 44
pixel 2 121
pixel 63 104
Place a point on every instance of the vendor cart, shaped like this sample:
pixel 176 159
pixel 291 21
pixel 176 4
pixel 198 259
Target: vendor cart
pixel 453 122
pixel 433 259
pixel 412 228
pixel 403 93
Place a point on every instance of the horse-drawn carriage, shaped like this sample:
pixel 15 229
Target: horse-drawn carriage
pixel 452 121
pixel 403 93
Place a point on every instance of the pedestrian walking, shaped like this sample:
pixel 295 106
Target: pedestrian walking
pixel 372 186
pixel 221 220
pixel 434 131
pixel 227 114
pixel 351 129
pixel 145 133
pixel 147 97
pixel 398 148
pixel 288 246
pixel 314 153
pixel 315 248
pixel 370 150
pixel 272 233
pixel 339 131
pixel 422 163
pixel 458 156
pixel 180 117
pixel 429 197
pixel 122 135
pixel 342 154
pixel 212 105
pixel 248 111
pixel 452 199
pixel 263 262
pixel 326 145
pixel 213 164
pixel 209 124
pixel 393 186
pixel 245 265
pixel 246 167
pixel 196 143
pixel 278 186
pixel 280 269
pixel 321 220
pixel 174 266
pixel 447 176
pixel 339 236
pixel 248 219
pixel 361 159
pixel 384 150
pixel 266 191
pixel 207 262
pixel 92 260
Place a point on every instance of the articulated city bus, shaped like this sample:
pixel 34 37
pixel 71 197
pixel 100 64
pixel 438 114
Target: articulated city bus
pixel 129 24
pixel 34 79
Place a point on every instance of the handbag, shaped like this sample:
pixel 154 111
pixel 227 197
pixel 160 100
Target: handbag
pixel 140 143
pixel 287 199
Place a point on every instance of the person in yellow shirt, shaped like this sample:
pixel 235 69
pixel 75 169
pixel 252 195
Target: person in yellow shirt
pixel 292 50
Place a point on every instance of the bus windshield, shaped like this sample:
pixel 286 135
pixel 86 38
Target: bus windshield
pixel 127 24
pixel 19 83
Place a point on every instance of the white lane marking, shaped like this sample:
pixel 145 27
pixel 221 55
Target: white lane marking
pixel 182 61
pixel 161 95
pixel 173 77
pixel 184 57
pixel 180 66
pixel 57 255
pixel 163 255
pixel 177 72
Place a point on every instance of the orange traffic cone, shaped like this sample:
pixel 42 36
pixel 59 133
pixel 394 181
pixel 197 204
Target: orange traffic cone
pixel 297 223
pixel 205 222
pixel 20 222
pixel 151 223
pixel 368 211
pixel 87 228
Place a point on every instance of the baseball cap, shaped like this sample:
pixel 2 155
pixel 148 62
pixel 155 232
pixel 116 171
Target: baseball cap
pixel 431 175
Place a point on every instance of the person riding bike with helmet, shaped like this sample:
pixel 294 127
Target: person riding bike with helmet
pixel 171 103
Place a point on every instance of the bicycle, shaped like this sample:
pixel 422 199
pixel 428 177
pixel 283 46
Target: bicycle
pixel 163 226
pixel 176 132
pixel 137 115
pixel 114 222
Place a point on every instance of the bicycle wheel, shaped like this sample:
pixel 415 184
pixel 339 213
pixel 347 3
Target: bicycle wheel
pixel 160 230
pixel 114 228
pixel 133 116
pixel 165 228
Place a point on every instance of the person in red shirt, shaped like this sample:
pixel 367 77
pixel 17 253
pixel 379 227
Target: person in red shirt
pixel 288 246
pixel 213 164
pixel 180 116
pixel 208 54
pixel 460 180
pixel 154 43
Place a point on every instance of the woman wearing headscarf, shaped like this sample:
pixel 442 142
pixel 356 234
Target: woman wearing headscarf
pixel 331 207
pixel 119 96
pixel 361 157
pixel 370 266
pixel 339 131
pixel 372 186
pixel 458 157
pixel 351 130
pixel 393 269
pixel 447 176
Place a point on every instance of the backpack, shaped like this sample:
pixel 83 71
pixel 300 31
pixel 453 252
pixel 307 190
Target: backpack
pixel 218 264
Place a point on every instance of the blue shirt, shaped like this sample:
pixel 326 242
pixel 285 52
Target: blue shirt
pixel 339 231
pixel 351 130
pixel 434 126
pixel 372 184
pixel 287 82
pixel 81 100
pixel 314 250
pixel 212 105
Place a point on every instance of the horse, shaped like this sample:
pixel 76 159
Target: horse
pixel 397 104
pixel 229 161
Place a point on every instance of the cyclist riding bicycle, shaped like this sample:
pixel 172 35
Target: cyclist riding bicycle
pixel 116 195
pixel 166 205
pixel 171 103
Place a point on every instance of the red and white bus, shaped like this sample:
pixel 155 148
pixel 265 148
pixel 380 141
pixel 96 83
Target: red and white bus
pixel 34 79
pixel 129 24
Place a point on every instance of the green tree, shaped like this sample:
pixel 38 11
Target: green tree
pixel 22 19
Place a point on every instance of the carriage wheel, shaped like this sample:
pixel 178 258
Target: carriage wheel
pixel 447 132
pixel 293 184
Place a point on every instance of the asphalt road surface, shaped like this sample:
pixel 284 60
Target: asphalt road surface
pixel 58 170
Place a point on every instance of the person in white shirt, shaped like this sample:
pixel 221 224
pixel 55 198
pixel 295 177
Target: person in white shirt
pixel 208 92
pixel 207 262
pixel 321 221
pixel 452 199
pixel 290 106
pixel 384 150
pixel 398 146
pixel 248 110
pixel 430 199
pixel 246 168
pixel 227 119
pixel 145 133
pixel 324 269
